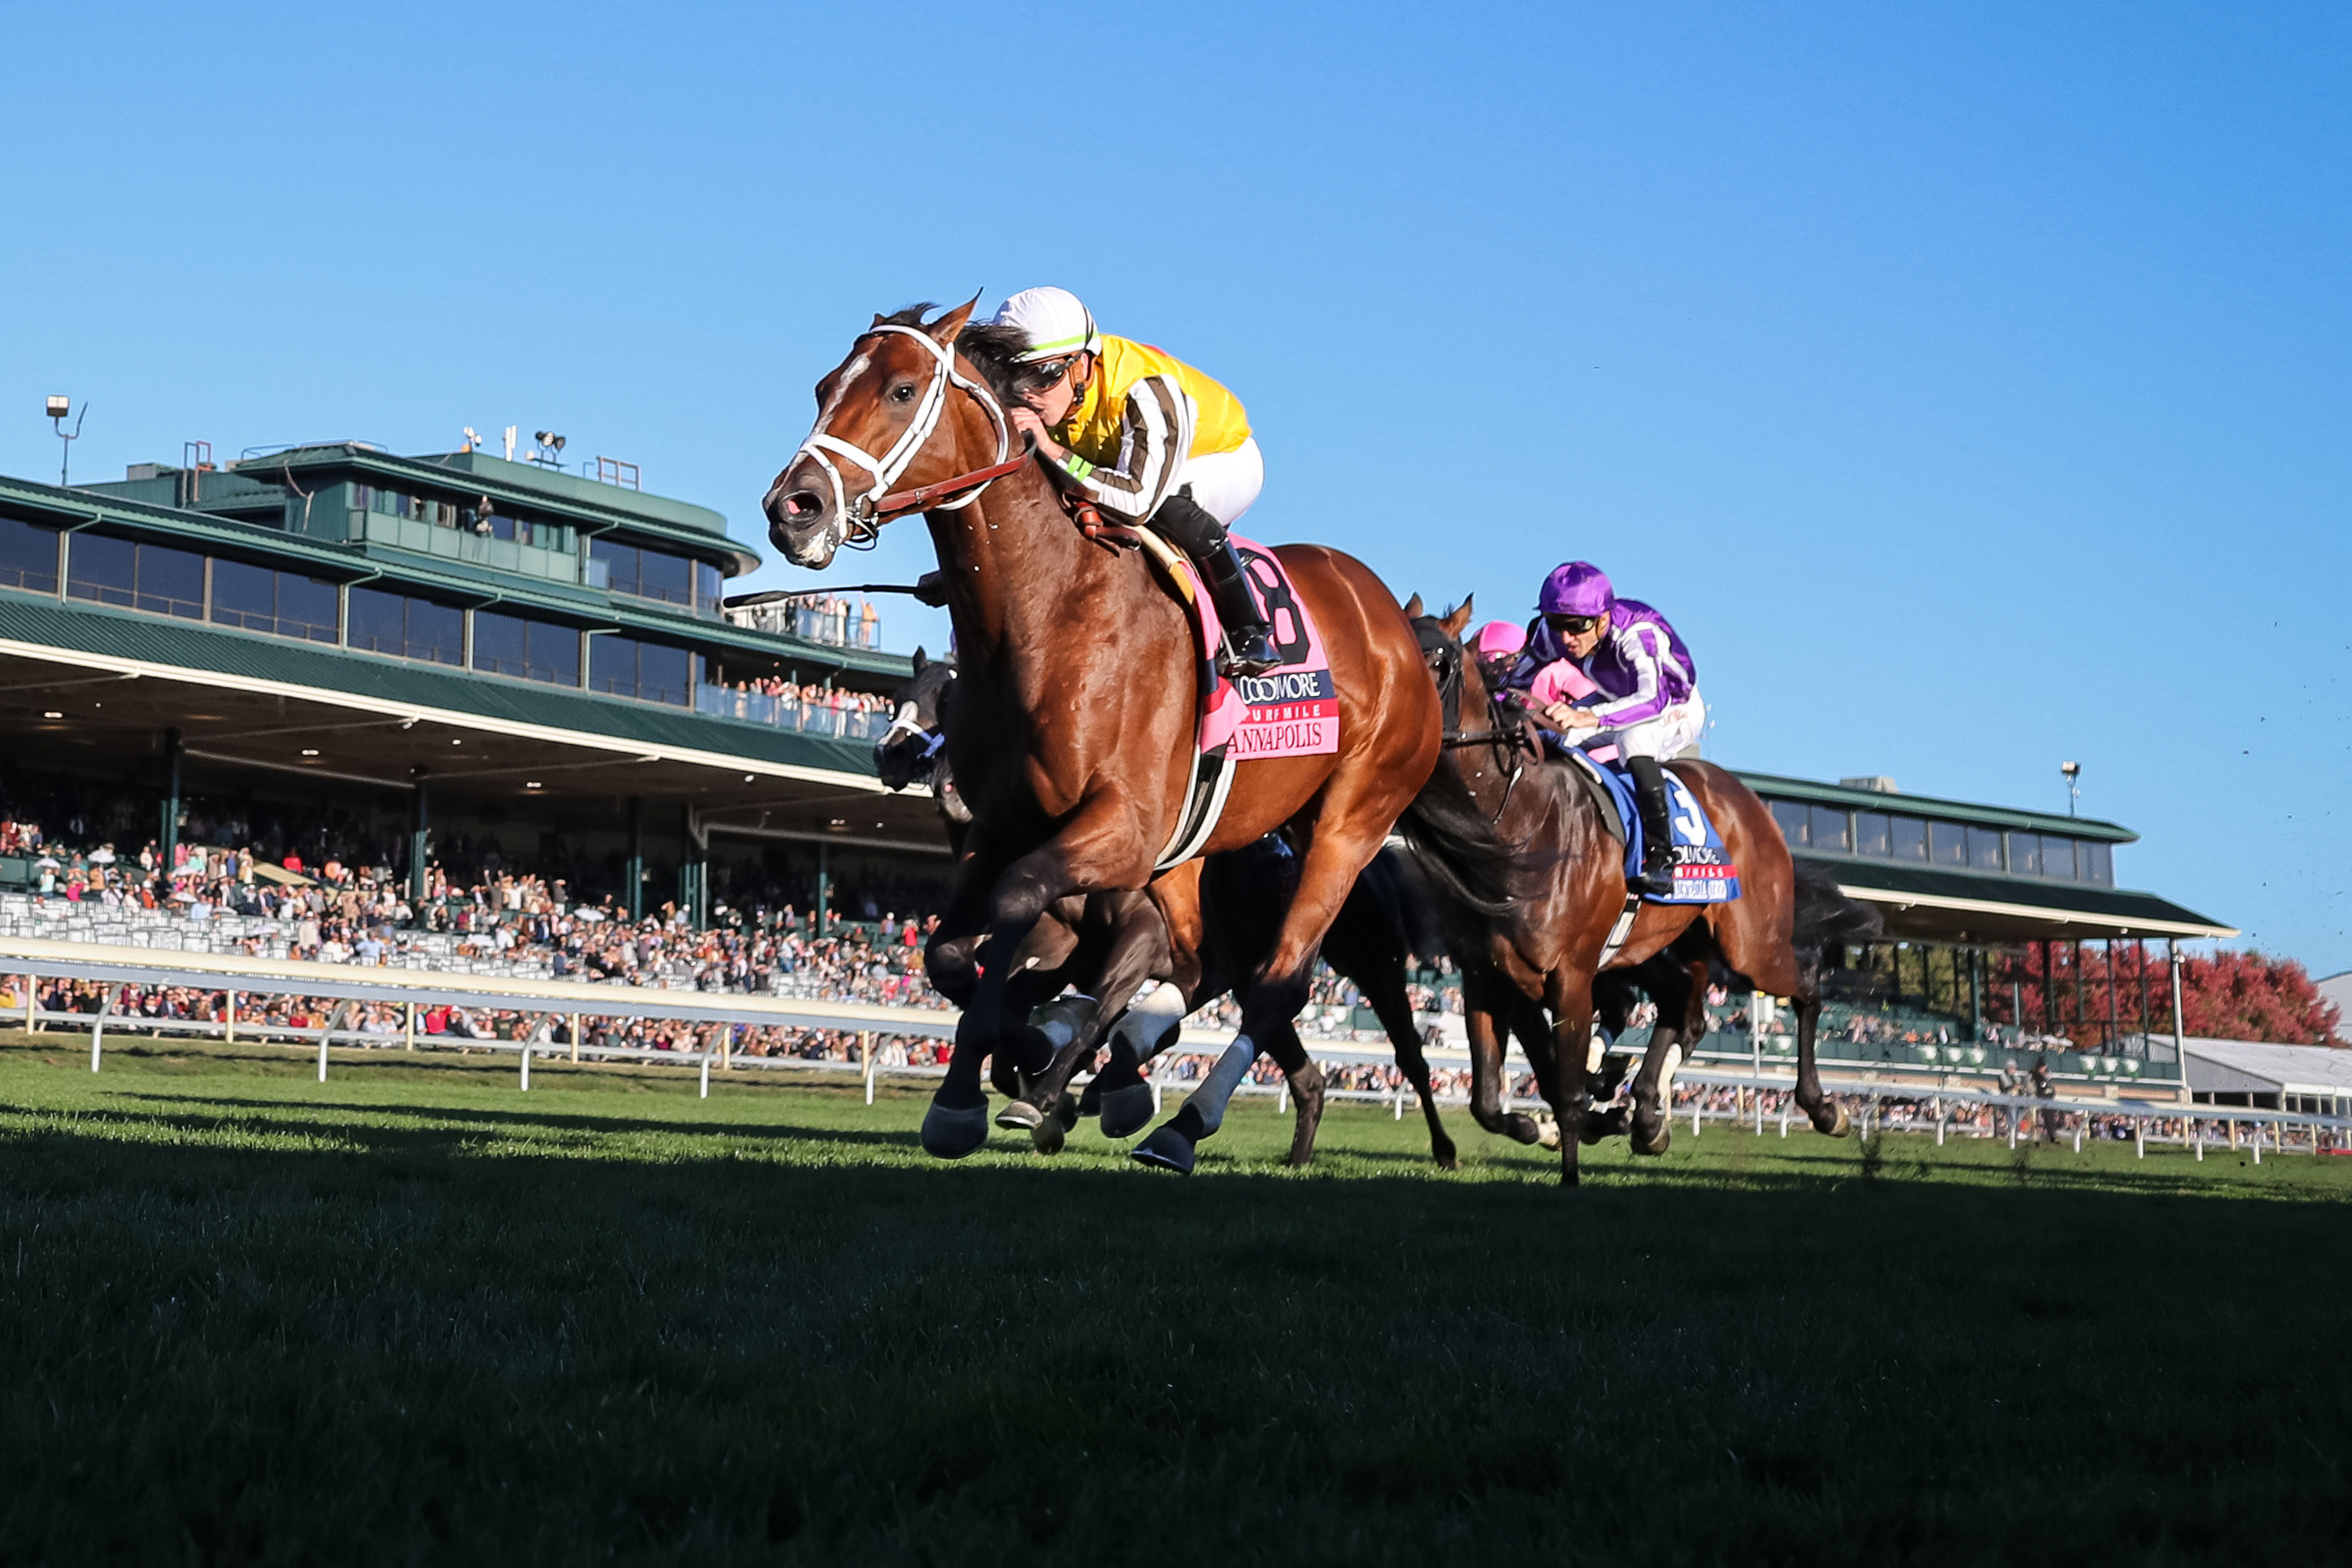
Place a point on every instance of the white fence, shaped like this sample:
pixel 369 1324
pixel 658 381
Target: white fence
pixel 1875 1105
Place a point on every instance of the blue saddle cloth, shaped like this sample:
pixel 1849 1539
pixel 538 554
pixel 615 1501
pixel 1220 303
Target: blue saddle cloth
pixel 1701 868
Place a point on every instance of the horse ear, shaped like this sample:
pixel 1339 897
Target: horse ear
pixel 1413 609
pixel 920 662
pixel 880 319
pixel 950 326
pixel 1457 621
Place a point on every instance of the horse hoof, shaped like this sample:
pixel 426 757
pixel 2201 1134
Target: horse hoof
pixel 1839 1127
pixel 952 1134
pixel 1128 1111
pixel 1657 1145
pixel 1547 1133
pixel 1045 1136
pixel 1165 1150
pixel 1447 1161
pixel 1019 1116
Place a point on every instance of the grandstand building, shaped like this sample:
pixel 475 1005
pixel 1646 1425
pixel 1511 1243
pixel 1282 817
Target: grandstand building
pixel 447 651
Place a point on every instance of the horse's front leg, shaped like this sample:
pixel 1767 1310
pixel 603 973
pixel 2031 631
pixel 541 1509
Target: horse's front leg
pixel 1569 994
pixel 1138 954
pixel 1486 1000
pixel 1092 852
pixel 1673 991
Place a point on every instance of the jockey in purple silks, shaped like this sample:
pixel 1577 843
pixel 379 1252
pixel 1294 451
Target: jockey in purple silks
pixel 1647 703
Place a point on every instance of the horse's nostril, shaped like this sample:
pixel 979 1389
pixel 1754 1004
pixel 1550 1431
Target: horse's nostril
pixel 801 504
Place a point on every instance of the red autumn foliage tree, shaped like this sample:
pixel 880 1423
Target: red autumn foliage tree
pixel 2254 996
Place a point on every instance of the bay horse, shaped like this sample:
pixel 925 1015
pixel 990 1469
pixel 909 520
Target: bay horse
pixel 1557 939
pixel 1076 702
pixel 1384 922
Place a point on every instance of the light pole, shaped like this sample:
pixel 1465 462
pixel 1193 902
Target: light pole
pixel 59 408
pixel 2073 775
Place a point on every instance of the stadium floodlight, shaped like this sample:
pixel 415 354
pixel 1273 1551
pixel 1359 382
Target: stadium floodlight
pixel 2074 777
pixel 57 408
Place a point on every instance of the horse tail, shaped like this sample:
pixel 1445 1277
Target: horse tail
pixel 1457 849
pixel 1826 917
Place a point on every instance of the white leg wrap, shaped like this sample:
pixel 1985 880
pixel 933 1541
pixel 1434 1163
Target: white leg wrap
pixel 1666 1073
pixel 1147 1017
pixel 1218 1085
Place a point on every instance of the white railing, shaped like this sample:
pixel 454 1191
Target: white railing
pixel 787 713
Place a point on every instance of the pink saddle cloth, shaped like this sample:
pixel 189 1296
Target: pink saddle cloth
pixel 1291 710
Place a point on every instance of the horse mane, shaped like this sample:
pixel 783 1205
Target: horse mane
pixel 995 352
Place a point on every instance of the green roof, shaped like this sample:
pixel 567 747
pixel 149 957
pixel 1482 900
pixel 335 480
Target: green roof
pixel 151 639
pixel 591 505
pixel 1775 788
pixel 2080 900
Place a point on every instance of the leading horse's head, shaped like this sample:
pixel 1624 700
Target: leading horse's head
pixel 909 751
pixel 876 414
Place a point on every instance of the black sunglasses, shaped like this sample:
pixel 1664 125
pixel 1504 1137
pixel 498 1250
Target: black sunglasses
pixel 1573 626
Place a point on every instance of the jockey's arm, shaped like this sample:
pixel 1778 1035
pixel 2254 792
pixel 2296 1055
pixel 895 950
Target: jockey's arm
pixel 1155 436
pixel 1637 649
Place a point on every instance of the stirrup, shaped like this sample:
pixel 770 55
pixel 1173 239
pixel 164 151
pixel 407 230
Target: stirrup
pixel 1249 652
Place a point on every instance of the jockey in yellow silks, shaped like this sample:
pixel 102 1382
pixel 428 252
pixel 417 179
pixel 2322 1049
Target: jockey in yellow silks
pixel 1145 436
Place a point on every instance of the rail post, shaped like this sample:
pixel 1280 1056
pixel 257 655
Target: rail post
pixel 1784 1099
pixel 230 1017
pixel 865 1060
pixel 32 1003
pixel 2139 1137
pixel 575 1031
pixel 2078 1121
pixel 706 1066
pixel 2257 1143
pixel 526 1043
pixel 408 1040
pixel 105 1004
pixel 1397 1099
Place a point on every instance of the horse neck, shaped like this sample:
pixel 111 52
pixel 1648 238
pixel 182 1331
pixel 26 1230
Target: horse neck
pixel 1008 561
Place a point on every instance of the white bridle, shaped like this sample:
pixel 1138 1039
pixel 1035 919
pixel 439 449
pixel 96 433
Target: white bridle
pixel 854 523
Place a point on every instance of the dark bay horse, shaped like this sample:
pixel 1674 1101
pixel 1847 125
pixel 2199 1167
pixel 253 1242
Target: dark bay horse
pixel 1383 925
pixel 1555 940
pixel 1075 717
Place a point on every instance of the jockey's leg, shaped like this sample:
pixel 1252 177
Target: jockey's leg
pixel 1642 744
pixel 1219 488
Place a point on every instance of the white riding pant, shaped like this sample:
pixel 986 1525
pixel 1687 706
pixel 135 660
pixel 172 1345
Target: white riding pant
pixel 1224 483
pixel 1665 737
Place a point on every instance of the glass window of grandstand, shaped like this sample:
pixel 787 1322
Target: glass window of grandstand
pixel 1911 838
pixel 1983 849
pixel 1795 823
pixel 28 557
pixel 2058 857
pixel 643 573
pixel 282 603
pixel 531 650
pixel 152 578
pixel 2095 862
pixel 1832 833
pixel 406 627
pixel 2025 854
pixel 647 671
pixel 1873 834
pixel 1948 844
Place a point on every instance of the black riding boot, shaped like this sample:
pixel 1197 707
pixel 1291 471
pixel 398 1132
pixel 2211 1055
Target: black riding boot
pixel 1194 529
pixel 1249 640
pixel 1657 837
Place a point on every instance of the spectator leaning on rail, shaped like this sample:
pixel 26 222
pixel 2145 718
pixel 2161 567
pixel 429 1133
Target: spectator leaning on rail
pixel 1646 690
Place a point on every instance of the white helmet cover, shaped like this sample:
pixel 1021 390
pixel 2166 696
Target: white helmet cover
pixel 1052 319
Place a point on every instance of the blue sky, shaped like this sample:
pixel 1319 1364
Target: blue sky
pixel 1969 384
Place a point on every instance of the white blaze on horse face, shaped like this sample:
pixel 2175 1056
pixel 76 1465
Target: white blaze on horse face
pixel 903 724
pixel 849 375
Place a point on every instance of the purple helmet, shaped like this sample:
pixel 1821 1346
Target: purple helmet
pixel 1577 589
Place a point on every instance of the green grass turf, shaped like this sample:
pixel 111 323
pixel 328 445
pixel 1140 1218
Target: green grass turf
pixel 413 1314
